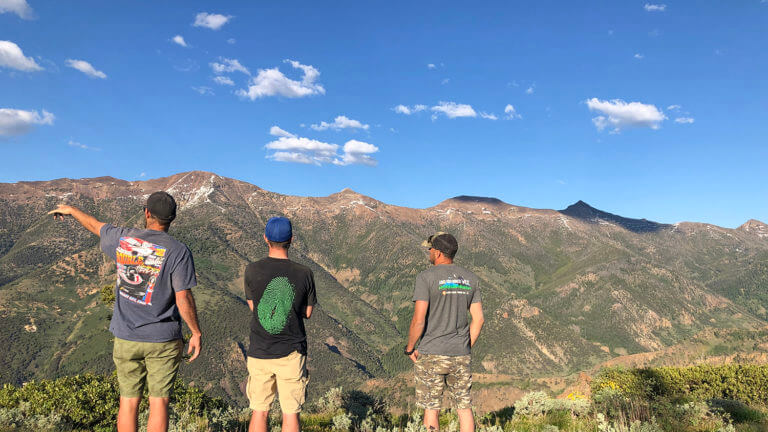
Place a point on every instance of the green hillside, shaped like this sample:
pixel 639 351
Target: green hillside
pixel 562 291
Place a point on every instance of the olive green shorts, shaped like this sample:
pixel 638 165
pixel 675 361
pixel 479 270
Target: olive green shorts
pixel 155 363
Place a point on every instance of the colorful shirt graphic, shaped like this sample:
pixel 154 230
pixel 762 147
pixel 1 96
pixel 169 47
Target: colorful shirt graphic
pixel 138 264
pixel 457 283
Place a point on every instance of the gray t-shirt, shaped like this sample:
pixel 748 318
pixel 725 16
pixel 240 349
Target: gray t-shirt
pixel 450 290
pixel 151 267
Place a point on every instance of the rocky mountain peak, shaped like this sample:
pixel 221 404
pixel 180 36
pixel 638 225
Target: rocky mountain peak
pixel 582 210
pixel 754 226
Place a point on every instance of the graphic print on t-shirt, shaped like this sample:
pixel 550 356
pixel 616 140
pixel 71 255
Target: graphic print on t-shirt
pixel 455 285
pixel 275 304
pixel 138 264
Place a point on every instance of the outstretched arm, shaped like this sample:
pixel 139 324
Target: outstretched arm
pixel 417 326
pixel 89 222
pixel 186 304
pixel 476 311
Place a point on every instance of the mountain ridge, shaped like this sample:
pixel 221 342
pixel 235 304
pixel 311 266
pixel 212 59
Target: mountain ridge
pixel 562 293
pixel 580 209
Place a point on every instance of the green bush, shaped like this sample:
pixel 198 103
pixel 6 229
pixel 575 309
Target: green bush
pixel 90 402
pixel 745 383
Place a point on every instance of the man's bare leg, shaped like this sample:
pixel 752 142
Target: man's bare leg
pixel 128 414
pixel 466 420
pixel 158 414
pixel 258 421
pixel 291 422
pixel 431 421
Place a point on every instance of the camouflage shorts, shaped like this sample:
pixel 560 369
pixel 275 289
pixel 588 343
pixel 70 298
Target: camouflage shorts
pixel 434 372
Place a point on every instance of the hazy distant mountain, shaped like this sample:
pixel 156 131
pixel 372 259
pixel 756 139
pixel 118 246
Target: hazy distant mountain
pixel 562 290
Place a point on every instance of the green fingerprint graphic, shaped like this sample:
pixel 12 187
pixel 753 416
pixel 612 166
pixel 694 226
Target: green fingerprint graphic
pixel 276 304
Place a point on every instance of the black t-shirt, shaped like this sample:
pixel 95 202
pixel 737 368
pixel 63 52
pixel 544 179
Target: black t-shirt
pixel 280 290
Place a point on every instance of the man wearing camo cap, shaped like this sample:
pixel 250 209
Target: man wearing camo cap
pixel 442 296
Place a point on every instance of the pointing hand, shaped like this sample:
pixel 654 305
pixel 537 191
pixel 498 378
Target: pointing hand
pixel 60 211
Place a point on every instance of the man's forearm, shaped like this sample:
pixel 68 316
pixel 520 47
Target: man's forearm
pixel 89 222
pixel 474 331
pixel 188 311
pixel 414 333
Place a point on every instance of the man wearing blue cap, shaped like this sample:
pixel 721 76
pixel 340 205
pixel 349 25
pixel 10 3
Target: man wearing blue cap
pixel 281 294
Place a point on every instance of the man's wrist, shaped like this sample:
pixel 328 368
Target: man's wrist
pixel 408 352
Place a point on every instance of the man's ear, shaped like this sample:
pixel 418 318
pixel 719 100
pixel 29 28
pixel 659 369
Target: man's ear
pixel 265 238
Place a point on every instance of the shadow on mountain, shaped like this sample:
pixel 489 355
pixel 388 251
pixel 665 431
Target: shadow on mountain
pixel 334 349
pixel 477 199
pixel 589 214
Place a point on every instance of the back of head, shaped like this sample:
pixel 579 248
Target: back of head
pixel 445 243
pixel 279 232
pixel 162 207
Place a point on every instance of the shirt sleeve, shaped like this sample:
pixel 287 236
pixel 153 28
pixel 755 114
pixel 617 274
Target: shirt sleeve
pixel 311 294
pixel 110 240
pixel 183 275
pixel 421 292
pixel 476 298
pixel 248 282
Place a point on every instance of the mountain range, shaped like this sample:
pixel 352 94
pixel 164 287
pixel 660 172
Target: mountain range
pixel 563 291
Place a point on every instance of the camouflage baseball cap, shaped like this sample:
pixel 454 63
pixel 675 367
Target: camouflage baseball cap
pixel 444 242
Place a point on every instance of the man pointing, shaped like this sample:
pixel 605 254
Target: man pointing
pixel 155 274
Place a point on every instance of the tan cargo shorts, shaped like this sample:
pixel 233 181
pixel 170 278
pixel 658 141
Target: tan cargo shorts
pixel 288 376
pixel 435 372
pixel 155 363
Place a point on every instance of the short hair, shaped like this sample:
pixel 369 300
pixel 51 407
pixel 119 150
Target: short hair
pixel 279 245
pixel 165 223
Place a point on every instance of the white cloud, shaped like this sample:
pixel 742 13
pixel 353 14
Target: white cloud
pixel 655 7
pixel 222 80
pixel 445 81
pixel 276 131
pixel 76 144
pixel 685 120
pixel 86 68
pixel 18 122
pixel 211 21
pixel 489 116
pixel 403 109
pixel 620 115
pixel 272 82
pixel 302 150
pixel 511 113
pixel 203 90
pixel 454 110
pixel 294 157
pixel 357 152
pixel 529 90
pixel 178 39
pixel 639 56
pixel 673 107
pixel 19 7
pixel 231 41
pixel 12 57
pixel 431 66
pixel 340 122
pixel 143 174
pixel 291 148
pixel 227 66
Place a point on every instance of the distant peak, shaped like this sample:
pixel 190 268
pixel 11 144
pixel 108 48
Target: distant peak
pixel 582 210
pixel 754 225
pixel 476 199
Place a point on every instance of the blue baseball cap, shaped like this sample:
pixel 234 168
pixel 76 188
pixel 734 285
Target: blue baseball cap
pixel 278 229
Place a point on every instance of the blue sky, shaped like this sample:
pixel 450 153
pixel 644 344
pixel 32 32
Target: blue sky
pixel 645 109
